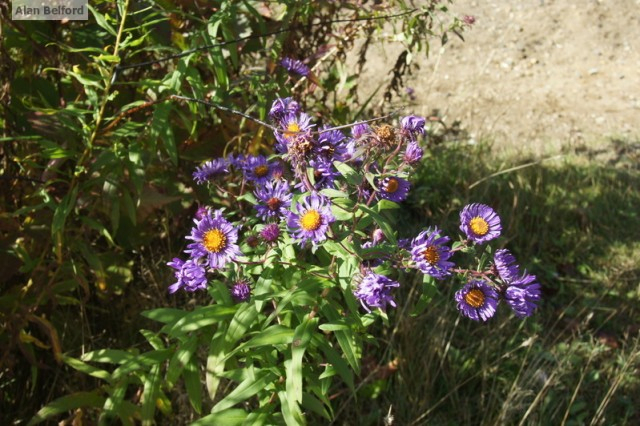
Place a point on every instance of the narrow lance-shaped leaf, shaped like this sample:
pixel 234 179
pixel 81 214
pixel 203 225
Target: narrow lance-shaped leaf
pixel 246 389
pixel 150 394
pixel 303 334
pixel 180 359
pixel 68 403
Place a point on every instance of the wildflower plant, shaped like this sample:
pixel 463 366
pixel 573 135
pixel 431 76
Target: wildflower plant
pixel 304 256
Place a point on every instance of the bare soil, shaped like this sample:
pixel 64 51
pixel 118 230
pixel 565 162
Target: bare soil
pixel 534 75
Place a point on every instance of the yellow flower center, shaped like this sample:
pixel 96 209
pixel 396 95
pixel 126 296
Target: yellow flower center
pixel 475 298
pixel 292 130
pixel 431 255
pixel 261 171
pixel 311 220
pixel 214 240
pixel 479 226
pixel 391 185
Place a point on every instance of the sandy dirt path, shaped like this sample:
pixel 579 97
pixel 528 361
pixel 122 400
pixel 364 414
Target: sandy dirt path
pixel 535 75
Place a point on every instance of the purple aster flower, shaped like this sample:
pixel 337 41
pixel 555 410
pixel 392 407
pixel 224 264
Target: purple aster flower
pixel 393 188
pixel 350 153
pixel 324 173
pixel 190 275
pixel 258 170
pixel 477 300
pixel 275 199
pixel 505 265
pixel 374 291
pixel 209 170
pixel 295 127
pixel 214 239
pixel 331 145
pixel 295 66
pixel 522 295
pixel 241 291
pixel 413 153
pixel 431 255
pixel 360 130
pixel 311 223
pixel 282 107
pixel 404 243
pixel 413 125
pixel 277 170
pixel 480 223
pixel 270 233
pixel 201 212
pixel 236 160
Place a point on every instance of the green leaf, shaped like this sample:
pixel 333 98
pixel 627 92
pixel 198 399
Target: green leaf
pixel 142 362
pixel 381 222
pixel 62 211
pixel 334 193
pixel 150 395
pixel 180 359
pixel 86 368
pixel 112 356
pixel 101 21
pixel 165 315
pixel 97 226
pixel 344 338
pixel 241 322
pixel 129 206
pixel 201 317
pixel 230 417
pixel 153 339
pixel 233 48
pixel 193 385
pixel 115 405
pixel 351 176
pixel 387 205
pixel 87 80
pixel 342 209
pixel 333 327
pixel 291 412
pixel 338 363
pixel 301 338
pixel 53 150
pixel 216 360
pixel 68 403
pixel 274 335
pixel 312 403
pixel 253 384
pixel 115 214
pixel 161 129
pixel 108 58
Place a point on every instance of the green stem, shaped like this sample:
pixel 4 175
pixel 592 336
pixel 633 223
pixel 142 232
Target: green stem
pixel 105 99
pixel 109 81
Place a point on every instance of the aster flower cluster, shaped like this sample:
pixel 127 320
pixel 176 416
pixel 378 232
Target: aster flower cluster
pixel 316 192
pixel 283 200
pixel 478 299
